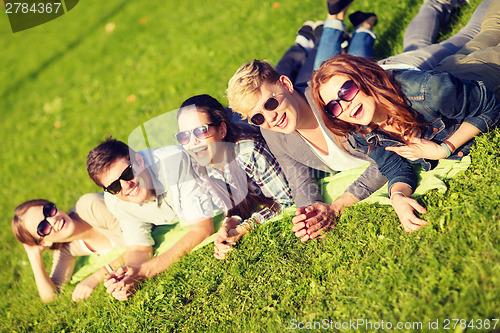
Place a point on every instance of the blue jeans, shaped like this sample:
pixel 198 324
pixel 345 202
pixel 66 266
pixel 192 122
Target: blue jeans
pixel 361 44
pixel 479 59
pixel 298 64
pixel 292 62
pixel 422 30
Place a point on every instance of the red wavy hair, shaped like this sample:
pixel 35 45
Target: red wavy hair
pixel 373 81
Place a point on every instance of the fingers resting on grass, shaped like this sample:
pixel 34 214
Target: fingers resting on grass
pixel 405 209
pixel 84 289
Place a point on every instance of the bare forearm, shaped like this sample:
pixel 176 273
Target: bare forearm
pixel 137 255
pixel 347 199
pixel 162 262
pixel 45 286
pixel 464 133
pixel 100 274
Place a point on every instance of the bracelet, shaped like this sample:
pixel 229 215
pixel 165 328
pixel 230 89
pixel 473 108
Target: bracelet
pixel 450 145
pixel 448 150
pixel 396 192
pixel 247 225
pixel 108 268
pixel 250 223
pixel 233 216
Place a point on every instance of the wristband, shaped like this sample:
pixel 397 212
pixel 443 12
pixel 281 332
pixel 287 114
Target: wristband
pixel 450 145
pixel 448 150
pixel 396 192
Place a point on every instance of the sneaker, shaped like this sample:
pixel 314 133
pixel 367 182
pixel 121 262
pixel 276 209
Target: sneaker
pixel 455 4
pixel 336 6
pixel 307 30
pixel 318 31
pixel 359 17
pixel 305 35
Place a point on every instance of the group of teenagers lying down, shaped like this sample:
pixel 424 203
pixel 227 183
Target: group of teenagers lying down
pixel 323 107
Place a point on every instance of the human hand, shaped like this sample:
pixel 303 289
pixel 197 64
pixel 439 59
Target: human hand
pixel 420 148
pixel 37 248
pixel 123 283
pixel 84 289
pixel 404 208
pixel 315 220
pixel 227 236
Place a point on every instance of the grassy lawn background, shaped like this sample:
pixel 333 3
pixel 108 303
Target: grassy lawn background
pixel 66 85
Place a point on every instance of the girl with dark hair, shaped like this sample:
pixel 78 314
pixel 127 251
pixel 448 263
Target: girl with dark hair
pixel 88 229
pixel 403 116
pixel 233 166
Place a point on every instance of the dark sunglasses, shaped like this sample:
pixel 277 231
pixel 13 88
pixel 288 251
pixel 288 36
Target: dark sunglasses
pixel 44 228
pixel 270 105
pixel 201 133
pixel 115 187
pixel 347 92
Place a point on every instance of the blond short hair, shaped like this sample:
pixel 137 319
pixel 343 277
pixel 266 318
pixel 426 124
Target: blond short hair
pixel 243 89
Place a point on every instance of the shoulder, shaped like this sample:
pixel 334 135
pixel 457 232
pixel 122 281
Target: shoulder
pixel 415 82
pixel 272 136
pixel 168 151
pixel 87 203
pixel 93 210
pixel 251 147
pixel 162 154
pixel 245 149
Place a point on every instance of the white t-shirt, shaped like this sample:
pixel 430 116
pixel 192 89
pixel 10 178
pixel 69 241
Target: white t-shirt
pixel 337 158
pixel 177 196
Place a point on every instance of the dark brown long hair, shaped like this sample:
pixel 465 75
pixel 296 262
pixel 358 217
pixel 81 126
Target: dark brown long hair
pixel 373 81
pixel 217 114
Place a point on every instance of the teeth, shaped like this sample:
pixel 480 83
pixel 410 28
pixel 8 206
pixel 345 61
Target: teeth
pixel 281 121
pixel 197 150
pixel 354 114
pixel 134 191
pixel 61 225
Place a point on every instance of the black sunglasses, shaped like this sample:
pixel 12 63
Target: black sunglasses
pixel 201 133
pixel 44 228
pixel 115 187
pixel 347 92
pixel 270 105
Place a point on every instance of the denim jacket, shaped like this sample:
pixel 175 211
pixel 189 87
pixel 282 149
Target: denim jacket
pixel 442 101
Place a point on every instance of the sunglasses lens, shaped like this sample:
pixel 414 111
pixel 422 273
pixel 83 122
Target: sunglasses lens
pixel 114 187
pixel 49 210
pixel 333 108
pixel 257 119
pixel 201 132
pixel 44 228
pixel 128 174
pixel 271 104
pixel 348 91
pixel 183 137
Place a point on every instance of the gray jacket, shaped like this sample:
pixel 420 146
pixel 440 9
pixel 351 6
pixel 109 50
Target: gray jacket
pixel 296 158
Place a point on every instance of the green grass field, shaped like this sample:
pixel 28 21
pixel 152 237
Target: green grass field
pixel 66 85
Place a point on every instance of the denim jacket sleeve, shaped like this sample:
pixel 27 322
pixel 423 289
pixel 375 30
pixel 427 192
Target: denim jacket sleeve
pixel 436 94
pixel 396 168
